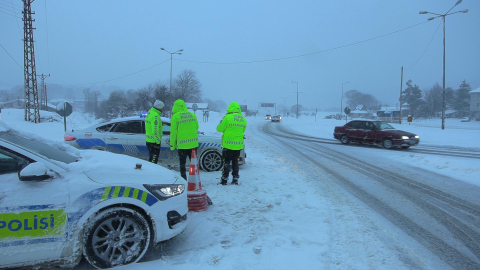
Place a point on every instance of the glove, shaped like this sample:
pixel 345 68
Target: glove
pixel 172 148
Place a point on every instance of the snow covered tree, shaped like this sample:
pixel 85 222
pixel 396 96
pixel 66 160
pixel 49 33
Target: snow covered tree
pixel 216 106
pixel 355 98
pixel 433 100
pixel 187 87
pixel 161 92
pixel 462 99
pixel 115 106
pixel 450 97
pixel 412 96
pixel 293 109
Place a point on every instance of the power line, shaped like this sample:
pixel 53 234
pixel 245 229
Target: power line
pixel 425 48
pixel 16 19
pixel 302 55
pixel 124 75
pixel 13 15
pixel 9 8
pixel 255 61
pixel 20 7
pixel 11 56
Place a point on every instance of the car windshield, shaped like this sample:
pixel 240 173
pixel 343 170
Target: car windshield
pixel 37 146
pixel 383 125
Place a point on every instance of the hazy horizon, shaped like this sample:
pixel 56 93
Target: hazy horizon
pixel 249 51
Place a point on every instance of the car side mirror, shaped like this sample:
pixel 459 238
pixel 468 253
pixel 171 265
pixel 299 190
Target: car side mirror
pixel 34 172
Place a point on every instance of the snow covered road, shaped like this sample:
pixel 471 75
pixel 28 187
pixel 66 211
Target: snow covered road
pixel 313 203
pixel 439 214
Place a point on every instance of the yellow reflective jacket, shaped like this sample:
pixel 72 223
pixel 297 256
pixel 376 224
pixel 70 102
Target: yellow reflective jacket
pixel 233 126
pixel 153 126
pixel 184 126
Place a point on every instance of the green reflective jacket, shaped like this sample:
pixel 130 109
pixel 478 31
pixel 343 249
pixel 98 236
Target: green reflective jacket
pixel 153 126
pixel 184 126
pixel 233 125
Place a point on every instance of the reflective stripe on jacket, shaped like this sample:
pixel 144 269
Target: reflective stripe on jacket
pixel 233 126
pixel 153 126
pixel 184 127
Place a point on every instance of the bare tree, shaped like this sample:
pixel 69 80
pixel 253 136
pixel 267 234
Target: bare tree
pixel 433 100
pixel 187 87
pixel 355 98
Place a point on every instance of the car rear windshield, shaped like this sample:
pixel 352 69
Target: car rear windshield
pixel 37 146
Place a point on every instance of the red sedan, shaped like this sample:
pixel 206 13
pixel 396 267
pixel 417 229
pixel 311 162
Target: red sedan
pixel 375 133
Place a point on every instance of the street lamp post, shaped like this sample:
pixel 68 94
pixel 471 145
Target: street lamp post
pixel 171 60
pixel 341 102
pixel 297 97
pixel 444 104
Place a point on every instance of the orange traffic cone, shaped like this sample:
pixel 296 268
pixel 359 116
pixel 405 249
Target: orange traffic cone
pixel 197 198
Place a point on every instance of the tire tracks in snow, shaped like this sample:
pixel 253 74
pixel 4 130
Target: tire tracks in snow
pixel 458 216
pixel 423 149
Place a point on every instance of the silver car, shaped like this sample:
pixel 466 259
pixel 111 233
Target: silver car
pixel 276 118
pixel 127 136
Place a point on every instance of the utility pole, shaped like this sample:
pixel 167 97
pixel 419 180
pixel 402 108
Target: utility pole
pixel 443 16
pixel 43 92
pixel 401 86
pixel 32 110
pixel 179 52
pixel 341 102
pixel 297 97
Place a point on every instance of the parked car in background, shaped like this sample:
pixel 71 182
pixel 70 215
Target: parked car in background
pixel 465 119
pixel 268 117
pixel 276 118
pixel 127 136
pixel 59 204
pixel 375 133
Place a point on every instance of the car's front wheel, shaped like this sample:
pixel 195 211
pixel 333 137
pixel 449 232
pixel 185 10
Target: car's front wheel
pixel 116 236
pixel 211 161
pixel 344 139
pixel 387 143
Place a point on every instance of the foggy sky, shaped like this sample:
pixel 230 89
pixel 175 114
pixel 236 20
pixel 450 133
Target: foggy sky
pixel 84 42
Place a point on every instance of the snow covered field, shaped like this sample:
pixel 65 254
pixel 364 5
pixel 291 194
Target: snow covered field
pixel 277 218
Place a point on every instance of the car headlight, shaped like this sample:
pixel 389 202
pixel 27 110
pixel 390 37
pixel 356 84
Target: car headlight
pixel 405 138
pixel 163 192
pixel 417 137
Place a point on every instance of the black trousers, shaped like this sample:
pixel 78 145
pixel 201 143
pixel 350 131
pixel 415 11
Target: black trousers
pixel 182 156
pixel 153 152
pixel 228 156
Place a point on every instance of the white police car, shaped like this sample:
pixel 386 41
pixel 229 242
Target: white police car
pixel 58 203
pixel 127 136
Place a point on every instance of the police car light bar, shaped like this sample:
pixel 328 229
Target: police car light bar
pixel 143 114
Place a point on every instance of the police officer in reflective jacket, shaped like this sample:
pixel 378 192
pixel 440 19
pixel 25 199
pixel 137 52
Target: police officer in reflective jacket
pixel 233 126
pixel 183 133
pixel 154 131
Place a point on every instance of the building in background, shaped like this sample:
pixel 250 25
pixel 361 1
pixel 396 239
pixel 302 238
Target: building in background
pixel 475 103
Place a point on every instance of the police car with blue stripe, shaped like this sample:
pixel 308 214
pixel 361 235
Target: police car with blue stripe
pixel 58 204
pixel 127 136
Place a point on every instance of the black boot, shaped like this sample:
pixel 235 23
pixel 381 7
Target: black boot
pixel 224 182
pixel 235 181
